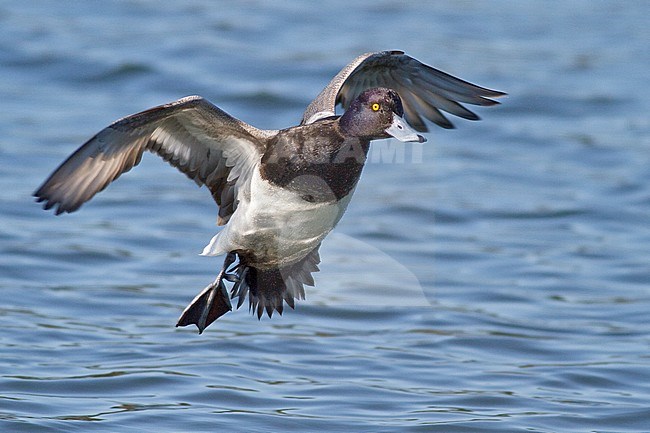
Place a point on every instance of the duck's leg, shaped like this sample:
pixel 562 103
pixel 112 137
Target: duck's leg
pixel 212 303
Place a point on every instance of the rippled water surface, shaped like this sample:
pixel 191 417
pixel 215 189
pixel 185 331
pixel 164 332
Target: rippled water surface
pixel 500 284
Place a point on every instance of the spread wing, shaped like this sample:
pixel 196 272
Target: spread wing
pixel 193 135
pixel 424 91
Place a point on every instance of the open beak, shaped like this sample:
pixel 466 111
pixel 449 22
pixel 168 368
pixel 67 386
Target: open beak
pixel 400 130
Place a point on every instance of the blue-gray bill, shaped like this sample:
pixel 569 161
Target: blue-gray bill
pixel 399 129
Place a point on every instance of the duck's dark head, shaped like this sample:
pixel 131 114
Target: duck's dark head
pixel 377 113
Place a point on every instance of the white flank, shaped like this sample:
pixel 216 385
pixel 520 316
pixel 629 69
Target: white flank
pixel 279 225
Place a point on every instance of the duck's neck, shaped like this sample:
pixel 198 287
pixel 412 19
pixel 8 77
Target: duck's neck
pixel 347 124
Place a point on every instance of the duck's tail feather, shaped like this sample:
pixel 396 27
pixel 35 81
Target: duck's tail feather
pixel 269 289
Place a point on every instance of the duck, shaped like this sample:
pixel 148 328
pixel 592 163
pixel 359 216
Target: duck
pixel 279 192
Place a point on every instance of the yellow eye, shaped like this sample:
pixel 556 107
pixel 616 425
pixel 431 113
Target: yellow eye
pixel 375 107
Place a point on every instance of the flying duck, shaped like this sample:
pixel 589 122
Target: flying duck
pixel 279 192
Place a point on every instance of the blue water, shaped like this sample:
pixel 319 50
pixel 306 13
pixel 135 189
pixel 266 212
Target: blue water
pixel 499 284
